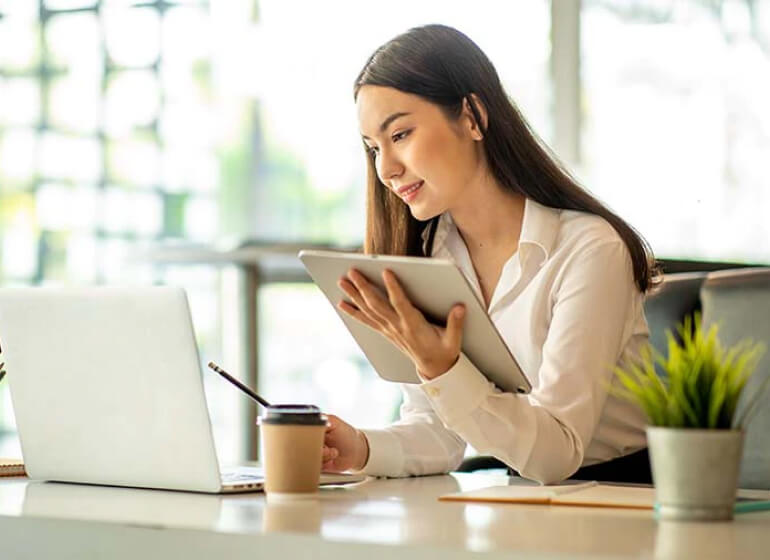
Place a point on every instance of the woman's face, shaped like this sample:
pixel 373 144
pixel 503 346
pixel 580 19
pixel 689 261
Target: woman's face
pixel 425 158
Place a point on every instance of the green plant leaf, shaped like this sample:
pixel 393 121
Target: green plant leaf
pixel 701 382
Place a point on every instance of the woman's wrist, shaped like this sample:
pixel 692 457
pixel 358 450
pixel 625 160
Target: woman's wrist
pixel 363 447
pixel 432 373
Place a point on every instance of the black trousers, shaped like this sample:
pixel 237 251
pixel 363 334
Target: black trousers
pixel 634 468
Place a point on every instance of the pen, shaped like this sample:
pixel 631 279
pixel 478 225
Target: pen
pixel 238 384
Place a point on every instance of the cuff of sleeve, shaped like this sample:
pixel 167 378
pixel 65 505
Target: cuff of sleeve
pixel 458 392
pixel 386 458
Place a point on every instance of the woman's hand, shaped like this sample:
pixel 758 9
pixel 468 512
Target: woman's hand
pixel 433 349
pixel 345 448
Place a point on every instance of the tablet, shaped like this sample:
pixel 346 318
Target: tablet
pixel 434 286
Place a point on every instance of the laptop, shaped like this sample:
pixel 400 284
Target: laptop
pixel 107 389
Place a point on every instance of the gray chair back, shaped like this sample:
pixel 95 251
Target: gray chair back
pixel 739 302
pixel 665 308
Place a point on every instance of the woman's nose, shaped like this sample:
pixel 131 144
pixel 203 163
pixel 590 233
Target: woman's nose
pixel 389 166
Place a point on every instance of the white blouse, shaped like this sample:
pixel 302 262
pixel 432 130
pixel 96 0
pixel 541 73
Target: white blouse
pixel 567 307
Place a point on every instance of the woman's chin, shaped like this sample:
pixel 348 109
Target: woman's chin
pixel 421 213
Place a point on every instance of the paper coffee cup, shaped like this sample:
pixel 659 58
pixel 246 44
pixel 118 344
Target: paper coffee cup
pixel 292 446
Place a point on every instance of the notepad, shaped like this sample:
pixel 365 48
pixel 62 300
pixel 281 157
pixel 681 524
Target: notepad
pixel 592 494
pixel 12 467
pixel 519 494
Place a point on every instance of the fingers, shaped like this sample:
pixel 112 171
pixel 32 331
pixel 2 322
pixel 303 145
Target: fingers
pixel 329 466
pixel 329 454
pixel 359 315
pixel 333 422
pixel 368 298
pixel 397 296
pixel 454 327
pixel 353 293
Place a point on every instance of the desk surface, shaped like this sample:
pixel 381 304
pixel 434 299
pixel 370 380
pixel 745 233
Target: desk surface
pixel 371 518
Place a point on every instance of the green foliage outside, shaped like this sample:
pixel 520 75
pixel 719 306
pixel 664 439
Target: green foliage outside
pixel 173 214
pixel 701 382
pixel 265 192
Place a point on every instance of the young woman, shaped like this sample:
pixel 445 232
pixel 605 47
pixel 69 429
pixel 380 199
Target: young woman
pixel 454 171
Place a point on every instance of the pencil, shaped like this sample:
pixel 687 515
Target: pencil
pixel 238 384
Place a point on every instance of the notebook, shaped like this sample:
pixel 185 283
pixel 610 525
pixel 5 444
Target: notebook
pixel 12 467
pixel 592 494
pixel 519 494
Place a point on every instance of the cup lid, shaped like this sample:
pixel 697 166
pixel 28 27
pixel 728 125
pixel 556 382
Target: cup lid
pixel 303 414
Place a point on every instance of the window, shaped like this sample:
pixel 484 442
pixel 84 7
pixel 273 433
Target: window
pixel 312 184
pixel 677 124
pixel 124 123
pixel 301 71
pixel 105 148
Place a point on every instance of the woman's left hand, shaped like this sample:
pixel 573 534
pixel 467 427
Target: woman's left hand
pixel 433 349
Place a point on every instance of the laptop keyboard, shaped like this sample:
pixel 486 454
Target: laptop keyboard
pixel 242 474
pixel 237 477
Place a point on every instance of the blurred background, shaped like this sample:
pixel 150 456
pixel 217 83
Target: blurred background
pixel 127 126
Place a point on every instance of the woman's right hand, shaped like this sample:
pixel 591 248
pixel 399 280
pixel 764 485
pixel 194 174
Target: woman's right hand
pixel 345 448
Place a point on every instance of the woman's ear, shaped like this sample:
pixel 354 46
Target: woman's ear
pixel 476 131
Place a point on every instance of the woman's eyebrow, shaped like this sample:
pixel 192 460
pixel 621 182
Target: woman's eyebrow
pixel 387 121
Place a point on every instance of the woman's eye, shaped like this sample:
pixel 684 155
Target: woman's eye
pixel 401 135
pixel 373 150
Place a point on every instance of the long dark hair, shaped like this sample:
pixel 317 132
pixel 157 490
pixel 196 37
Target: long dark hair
pixel 443 66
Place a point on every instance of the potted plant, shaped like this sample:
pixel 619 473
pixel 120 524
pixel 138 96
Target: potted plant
pixel 695 437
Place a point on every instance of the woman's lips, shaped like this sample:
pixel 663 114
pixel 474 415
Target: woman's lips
pixel 410 192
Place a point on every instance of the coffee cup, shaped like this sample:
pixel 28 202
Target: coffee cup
pixel 292 445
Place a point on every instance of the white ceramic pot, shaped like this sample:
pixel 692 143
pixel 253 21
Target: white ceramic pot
pixel 695 472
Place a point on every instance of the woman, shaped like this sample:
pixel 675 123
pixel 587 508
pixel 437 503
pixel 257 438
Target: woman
pixel 455 172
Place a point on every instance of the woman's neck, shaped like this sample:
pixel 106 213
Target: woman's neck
pixel 489 216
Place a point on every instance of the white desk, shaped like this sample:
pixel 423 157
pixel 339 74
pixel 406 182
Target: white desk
pixel 375 519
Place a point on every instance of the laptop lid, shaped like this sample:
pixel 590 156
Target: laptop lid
pixel 106 387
